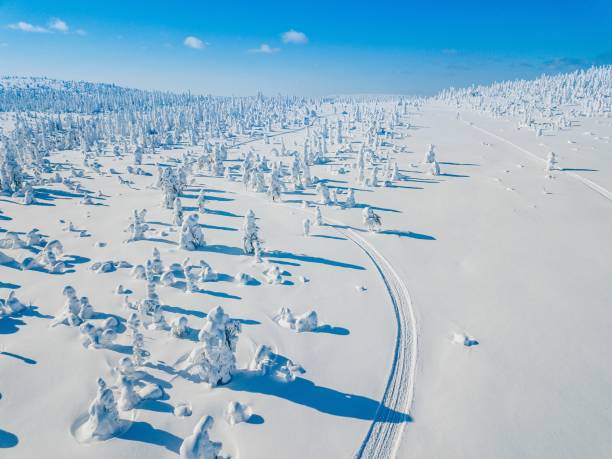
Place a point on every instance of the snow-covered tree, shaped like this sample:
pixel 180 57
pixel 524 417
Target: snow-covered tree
pixel 318 217
pixel 178 212
pixel 201 201
pixel 430 156
pixel 137 226
pixel 191 237
pixel 250 236
pixel 371 220
pixel 103 422
pixel 350 199
pixel 306 226
pixel 214 361
pixel 276 185
pixel 551 162
pixel 323 193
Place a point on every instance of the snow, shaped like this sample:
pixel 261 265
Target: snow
pixel 477 310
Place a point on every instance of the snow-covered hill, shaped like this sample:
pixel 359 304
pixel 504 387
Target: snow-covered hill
pixel 458 272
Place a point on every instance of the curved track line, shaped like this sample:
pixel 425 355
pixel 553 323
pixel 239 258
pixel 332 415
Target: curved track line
pixel 383 437
pixel 385 432
pixel 592 185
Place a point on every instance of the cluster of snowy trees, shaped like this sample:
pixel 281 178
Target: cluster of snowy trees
pixel 548 102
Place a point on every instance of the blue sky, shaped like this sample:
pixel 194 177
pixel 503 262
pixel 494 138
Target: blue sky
pixel 308 47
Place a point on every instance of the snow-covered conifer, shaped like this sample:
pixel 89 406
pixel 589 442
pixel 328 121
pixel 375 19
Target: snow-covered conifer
pixel 371 220
pixel 306 227
pixel 191 237
pixel 177 212
pixel 250 236
pixel 324 193
pixel 201 201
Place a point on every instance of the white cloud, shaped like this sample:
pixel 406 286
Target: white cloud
pixel 194 42
pixel 80 32
pixel 264 48
pixel 295 37
pixel 59 25
pixel 27 27
pixel 3 45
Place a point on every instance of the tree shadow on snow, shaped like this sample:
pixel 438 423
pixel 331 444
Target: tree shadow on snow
pixel 401 233
pixel 144 432
pixel 11 324
pixel 323 399
pixel 311 259
pixel 19 357
pixel 332 330
pixel 7 439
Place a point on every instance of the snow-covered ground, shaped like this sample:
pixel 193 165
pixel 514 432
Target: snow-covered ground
pixel 475 323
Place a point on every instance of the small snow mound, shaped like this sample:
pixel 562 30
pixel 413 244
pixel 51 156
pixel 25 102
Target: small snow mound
pixel 236 412
pixel 198 445
pixel 460 338
pixel 182 410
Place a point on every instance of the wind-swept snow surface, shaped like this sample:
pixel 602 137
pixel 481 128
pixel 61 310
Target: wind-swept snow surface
pixel 448 297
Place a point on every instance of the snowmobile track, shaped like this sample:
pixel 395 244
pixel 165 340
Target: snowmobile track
pixel 385 432
pixel 592 185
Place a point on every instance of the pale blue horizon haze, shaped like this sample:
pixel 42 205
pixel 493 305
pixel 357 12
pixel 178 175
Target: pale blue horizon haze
pixel 307 48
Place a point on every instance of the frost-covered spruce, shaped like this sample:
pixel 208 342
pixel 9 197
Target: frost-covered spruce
pixel 306 177
pixel 137 226
pixel 324 193
pixel 139 354
pixel 250 235
pixel 214 361
pixel 306 227
pixel 430 156
pixel 296 180
pixel 191 280
pixel 551 162
pixel 395 173
pixel 361 166
pixel 374 176
pixel 170 187
pixel 276 185
pixel 103 422
pixel 157 265
pixel 350 199
pixel 178 327
pixel 178 212
pixel 75 310
pixel 191 237
pixel 138 152
pixel 318 217
pixel 198 445
pixel 48 258
pixel 201 201
pixel 371 220
pixel 128 398
pixel 28 195
pixel 11 305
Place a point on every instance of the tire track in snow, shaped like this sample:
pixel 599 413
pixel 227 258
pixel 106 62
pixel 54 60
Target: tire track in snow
pixel 385 432
pixel 592 185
